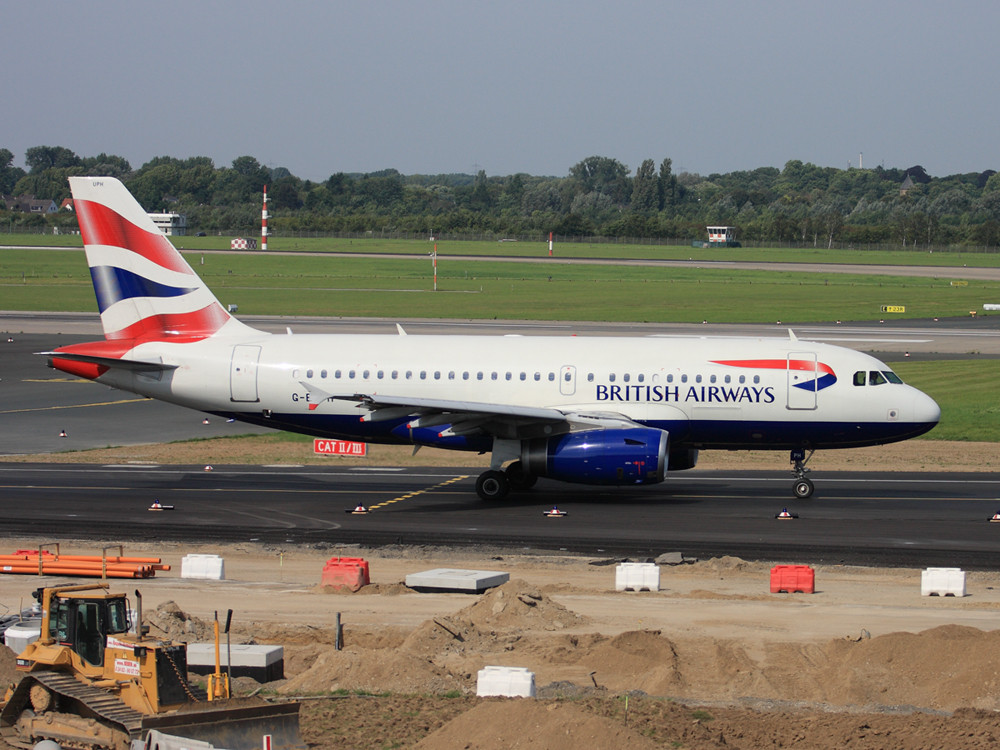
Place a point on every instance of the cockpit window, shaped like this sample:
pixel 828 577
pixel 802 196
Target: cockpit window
pixel 892 377
pixel 876 378
pixel 859 378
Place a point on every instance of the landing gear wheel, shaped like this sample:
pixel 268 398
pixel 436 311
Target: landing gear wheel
pixel 492 485
pixel 803 488
pixel 518 479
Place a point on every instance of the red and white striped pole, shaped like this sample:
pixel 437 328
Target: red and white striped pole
pixel 435 256
pixel 263 223
pixel 550 244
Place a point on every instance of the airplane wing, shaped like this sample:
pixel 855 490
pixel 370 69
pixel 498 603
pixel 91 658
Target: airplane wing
pixel 472 417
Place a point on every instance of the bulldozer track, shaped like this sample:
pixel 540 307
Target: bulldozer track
pixel 95 699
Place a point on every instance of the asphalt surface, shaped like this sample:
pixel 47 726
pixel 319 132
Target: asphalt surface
pixel 854 518
pixel 898 519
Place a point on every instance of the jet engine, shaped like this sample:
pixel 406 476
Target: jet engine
pixel 607 456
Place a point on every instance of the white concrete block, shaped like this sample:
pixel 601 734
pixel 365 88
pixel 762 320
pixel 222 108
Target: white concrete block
pixel 210 567
pixel 262 662
pixel 18 636
pixel 509 682
pixel 449 579
pixel 942 582
pixel 637 577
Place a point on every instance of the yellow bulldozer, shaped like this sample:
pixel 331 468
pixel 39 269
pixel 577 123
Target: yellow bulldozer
pixel 91 684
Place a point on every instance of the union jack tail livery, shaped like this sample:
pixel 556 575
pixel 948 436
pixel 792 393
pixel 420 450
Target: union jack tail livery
pixel 610 410
pixel 145 289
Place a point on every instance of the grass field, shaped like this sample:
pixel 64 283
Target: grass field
pixel 422 248
pixel 965 390
pixel 402 288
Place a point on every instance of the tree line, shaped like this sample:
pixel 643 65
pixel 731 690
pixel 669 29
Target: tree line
pixel 801 203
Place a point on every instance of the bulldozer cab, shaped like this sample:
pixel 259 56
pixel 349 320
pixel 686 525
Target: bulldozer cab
pixel 83 621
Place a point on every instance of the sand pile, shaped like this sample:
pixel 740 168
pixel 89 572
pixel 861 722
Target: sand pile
pixel 8 674
pixel 533 726
pixel 169 621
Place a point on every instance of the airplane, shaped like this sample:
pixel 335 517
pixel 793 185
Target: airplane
pixel 591 410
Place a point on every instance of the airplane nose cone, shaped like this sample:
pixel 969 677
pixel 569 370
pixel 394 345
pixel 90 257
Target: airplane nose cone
pixel 925 410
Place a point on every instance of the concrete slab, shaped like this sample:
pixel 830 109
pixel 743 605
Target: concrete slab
pixel 452 579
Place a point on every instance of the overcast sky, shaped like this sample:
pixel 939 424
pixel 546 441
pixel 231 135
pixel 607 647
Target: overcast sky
pixel 436 86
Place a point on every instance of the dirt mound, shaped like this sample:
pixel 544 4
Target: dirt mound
pixel 528 724
pixel 8 673
pixel 371 671
pixel 168 620
pixel 518 604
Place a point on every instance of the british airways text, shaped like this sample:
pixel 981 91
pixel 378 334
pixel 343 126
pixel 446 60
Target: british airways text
pixel 703 394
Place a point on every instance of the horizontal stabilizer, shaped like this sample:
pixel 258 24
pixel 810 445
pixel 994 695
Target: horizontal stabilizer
pixel 111 363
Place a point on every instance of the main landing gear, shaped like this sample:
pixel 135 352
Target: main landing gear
pixel 802 487
pixel 495 484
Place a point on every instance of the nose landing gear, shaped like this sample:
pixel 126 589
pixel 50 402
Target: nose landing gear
pixel 802 487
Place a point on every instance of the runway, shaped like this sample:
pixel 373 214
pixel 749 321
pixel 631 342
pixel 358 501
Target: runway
pixel 854 518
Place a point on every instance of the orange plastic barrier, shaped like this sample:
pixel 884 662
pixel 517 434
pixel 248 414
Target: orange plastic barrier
pixel 350 572
pixel 793 579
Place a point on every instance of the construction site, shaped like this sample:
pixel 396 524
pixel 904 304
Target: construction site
pixel 708 657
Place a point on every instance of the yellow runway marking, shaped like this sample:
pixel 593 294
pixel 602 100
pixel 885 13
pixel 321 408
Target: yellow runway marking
pixel 75 406
pixel 56 380
pixel 415 493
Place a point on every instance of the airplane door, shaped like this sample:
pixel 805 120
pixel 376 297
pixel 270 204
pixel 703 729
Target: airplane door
pixel 803 379
pixel 567 380
pixel 243 373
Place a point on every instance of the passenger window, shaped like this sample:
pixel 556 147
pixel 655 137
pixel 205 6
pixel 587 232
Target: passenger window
pixel 437 374
pixel 336 374
pixel 684 378
pixel 611 378
pixel 626 377
pixel 322 374
pixel 409 374
pixel 395 374
pixel 508 376
pixel 538 376
pixel 711 379
pixel 641 377
pixel 423 374
pixel 590 377
pixel 743 379
pixel 309 373
pixel 465 375
pixel 365 374
pixel 380 374
pixel 493 376
pixel 728 378
pixel 479 375
pixel 859 377
pixel 451 375
pixel 670 377
pixel 697 378
pixel 351 374
pixel 756 379
pixel 875 378
pixel 524 376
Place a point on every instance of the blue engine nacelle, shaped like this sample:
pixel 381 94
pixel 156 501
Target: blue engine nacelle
pixel 611 456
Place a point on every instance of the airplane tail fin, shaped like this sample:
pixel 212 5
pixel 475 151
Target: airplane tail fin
pixel 145 289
